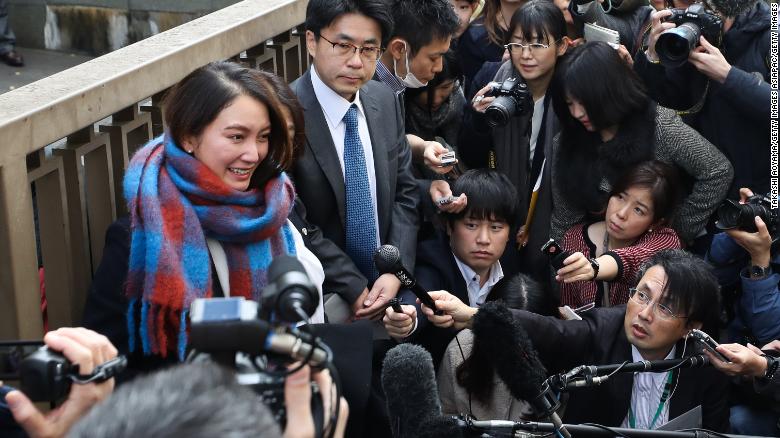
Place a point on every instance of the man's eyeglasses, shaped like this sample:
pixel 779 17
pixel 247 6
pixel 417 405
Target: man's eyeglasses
pixel 644 299
pixel 533 47
pixel 369 53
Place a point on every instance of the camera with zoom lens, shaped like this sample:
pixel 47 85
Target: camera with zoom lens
pixel 674 45
pixel 512 99
pixel 732 214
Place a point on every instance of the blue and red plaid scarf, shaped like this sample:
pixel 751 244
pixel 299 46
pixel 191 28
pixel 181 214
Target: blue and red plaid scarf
pixel 175 203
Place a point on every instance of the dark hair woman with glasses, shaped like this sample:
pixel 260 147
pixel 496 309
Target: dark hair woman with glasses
pixel 608 123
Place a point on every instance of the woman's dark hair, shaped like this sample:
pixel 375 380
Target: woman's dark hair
pixel 596 76
pixel 490 21
pixel 197 100
pixel 541 18
pixel 475 373
pixel 663 182
pixel 321 13
pixel 289 100
pixel 520 291
pixel 491 195
pixel 450 71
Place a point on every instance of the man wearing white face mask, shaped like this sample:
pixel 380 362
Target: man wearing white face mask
pixel 421 36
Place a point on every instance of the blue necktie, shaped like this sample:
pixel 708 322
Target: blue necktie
pixel 360 222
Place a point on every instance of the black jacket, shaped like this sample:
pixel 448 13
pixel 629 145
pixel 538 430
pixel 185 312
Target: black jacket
pixel 599 339
pixel 735 115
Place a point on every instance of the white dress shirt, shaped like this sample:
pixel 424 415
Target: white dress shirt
pixel 335 108
pixel 477 293
pixel 646 395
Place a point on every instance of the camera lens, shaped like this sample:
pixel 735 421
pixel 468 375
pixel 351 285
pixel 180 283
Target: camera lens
pixel 674 45
pixel 500 111
pixel 732 214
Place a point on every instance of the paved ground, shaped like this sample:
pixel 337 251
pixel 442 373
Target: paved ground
pixel 38 64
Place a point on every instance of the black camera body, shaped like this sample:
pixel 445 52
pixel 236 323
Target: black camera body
pixel 732 214
pixel 512 99
pixel 44 375
pixel 674 45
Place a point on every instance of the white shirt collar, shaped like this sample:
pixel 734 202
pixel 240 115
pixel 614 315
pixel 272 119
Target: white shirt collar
pixel 333 105
pixel 478 294
pixel 636 356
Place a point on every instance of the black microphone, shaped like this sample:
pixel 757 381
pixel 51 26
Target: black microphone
pixel 515 360
pixel 290 296
pixel 413 405
pixel 598 374
pixel 387 259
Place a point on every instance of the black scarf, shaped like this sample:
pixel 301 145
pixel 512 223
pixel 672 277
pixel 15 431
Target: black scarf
pixel 587 168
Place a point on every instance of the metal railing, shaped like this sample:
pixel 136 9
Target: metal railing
pixel 66 140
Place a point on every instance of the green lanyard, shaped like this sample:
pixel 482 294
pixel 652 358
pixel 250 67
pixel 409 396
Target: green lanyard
pixel 664 397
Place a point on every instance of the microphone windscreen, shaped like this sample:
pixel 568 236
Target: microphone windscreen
pixel 387 258
pixel 283 264
pixel 509 348
pixel 409 382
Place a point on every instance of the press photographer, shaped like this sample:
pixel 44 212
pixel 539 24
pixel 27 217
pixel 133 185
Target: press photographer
pixel 747 264
pixel 717 78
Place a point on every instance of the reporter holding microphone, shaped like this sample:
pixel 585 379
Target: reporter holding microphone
pixel 676 292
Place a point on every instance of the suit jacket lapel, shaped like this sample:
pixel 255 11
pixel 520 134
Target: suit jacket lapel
pixel 379 147
pixel 321 142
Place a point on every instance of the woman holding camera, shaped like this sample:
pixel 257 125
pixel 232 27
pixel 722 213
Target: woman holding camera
pixel 208 205
pixel 607 254
pixel 608 124
pixel 522 146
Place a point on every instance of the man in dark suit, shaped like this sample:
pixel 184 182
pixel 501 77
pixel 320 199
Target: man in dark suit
pixel 677 292
pixel 464 262
pixel 354 177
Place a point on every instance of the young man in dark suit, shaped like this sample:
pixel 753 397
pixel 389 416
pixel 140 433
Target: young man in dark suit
pixel 676 292
pixel 354 177
pixel 464 262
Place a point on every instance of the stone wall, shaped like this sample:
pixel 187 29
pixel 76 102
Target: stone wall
pixel 97 27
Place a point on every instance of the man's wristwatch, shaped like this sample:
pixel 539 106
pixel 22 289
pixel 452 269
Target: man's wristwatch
pixel 595 265
pixel 759 272
pixel 772 363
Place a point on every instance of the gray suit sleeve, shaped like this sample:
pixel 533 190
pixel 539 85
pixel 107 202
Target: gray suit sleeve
pixel 405 217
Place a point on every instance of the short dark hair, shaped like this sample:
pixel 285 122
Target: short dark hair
pixel 321 13
pixel 661 179
pixel 491 195
pixel 691 287
pixel 520 291
pixel 540 17
pixel 289 100
pixel 450 70
pixel 420 22
pixel 192 400
pixel 595 75
pixel 197 100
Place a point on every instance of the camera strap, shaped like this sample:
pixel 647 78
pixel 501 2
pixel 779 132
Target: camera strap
pixel 102 372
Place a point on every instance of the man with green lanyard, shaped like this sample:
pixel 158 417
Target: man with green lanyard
pixel 676 292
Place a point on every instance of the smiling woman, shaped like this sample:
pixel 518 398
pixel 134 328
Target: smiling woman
pixel 208 205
